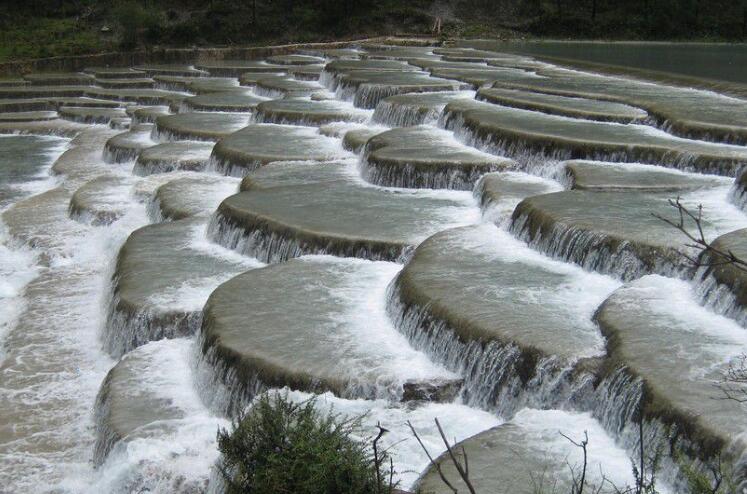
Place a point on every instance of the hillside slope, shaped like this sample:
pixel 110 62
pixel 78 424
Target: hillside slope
pixel 42 28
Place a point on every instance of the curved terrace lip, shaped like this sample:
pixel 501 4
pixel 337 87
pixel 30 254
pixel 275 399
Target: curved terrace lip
pixel 404 228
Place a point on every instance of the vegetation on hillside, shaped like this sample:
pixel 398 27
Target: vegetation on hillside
pixel 42 28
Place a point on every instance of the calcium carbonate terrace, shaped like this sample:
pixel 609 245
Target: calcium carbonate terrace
pixel 411 231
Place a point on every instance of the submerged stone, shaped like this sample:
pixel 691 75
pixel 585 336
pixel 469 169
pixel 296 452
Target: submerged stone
pixel 368 88
pixel 687 112
pixel 60 79
pixel 294 59
pixel 146 396
pixel 738 192
pixel 225 101
pixel 56 127
pixel 84 102
pixel 355 140
pixel 197 85
pixel 338 66
pixel 82 161
pixel 296 208
pixel 28 116
pixel 101 201
pixel 199 126
pixel 127 145
pixel 724 282
pixel 575 107
pixel 162 277
pixel 610 232
pixel 172 156
pixel 234 68
pixel 285 87
pixel 438 63
pixel 256 334
pixel 90 115
pixel 351 53
pixel 129 83
pixel 147 114
pixel 414 109
pixel 497 312
pixel 383 52
pixel 478 78
pixel 534 135
pixel 499 193
pixel 307 72
pixel 114 72
pixel 605 176
pixel 33 91
pixel 51 104
pixel 425 157
pixel 251 78
pixel 259 144
pixel 297 111
pixel 460 54
pixel 13 81
pixel 528 455
pixel 171 69
pixel 681 351
pixel 202 85
pixel 138 96
pixel 191 196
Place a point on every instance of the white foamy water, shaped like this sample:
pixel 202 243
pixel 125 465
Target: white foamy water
pixel 18 263
pixel 361 326
pixel 545 430
pixel 576 299
pixel 708 341
pixel 17 268
pixel 162 456
pixel 460 421
pixel 52 365
pixel 719 213
pixel 55 287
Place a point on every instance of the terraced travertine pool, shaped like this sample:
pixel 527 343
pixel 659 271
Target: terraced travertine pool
pixel 408 232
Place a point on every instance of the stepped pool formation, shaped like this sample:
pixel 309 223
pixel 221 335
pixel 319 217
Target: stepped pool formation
pixel 405 232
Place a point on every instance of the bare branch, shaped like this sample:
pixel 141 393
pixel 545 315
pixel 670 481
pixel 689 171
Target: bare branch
pixel 717 257
pixel 377 460
pixel 435 465
pixel 454 460
pixel 578 487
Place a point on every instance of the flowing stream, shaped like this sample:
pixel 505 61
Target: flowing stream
pixel 388 228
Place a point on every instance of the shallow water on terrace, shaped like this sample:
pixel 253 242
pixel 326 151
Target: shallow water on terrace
pixel 51 363
pixel 23 163
pixel 332 318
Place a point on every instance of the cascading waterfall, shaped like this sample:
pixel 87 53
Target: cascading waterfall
pixel 257 238
pixel 497 378
pixel 596 251
pixel 395 115
pixel 128 328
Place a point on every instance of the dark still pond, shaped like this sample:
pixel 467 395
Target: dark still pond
pixel 719 61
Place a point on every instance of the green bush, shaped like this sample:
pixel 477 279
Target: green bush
pixel 284 447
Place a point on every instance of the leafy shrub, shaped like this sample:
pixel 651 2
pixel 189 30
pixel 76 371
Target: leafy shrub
pixel 284 447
